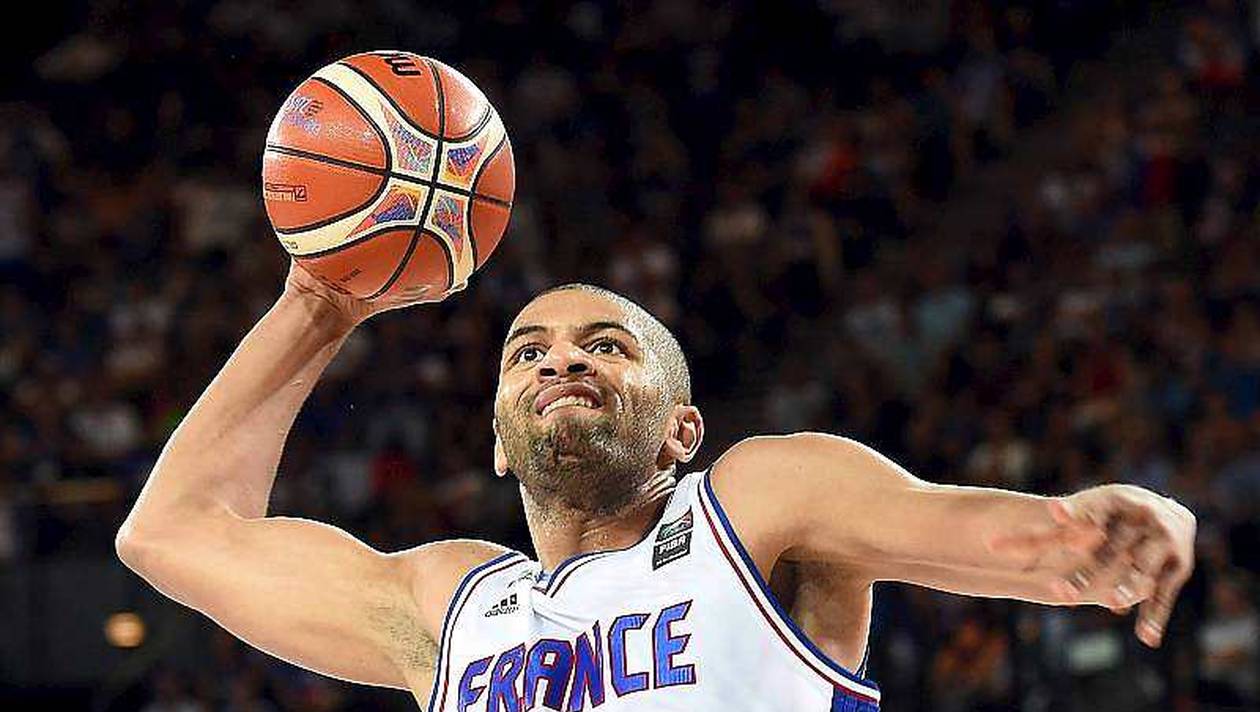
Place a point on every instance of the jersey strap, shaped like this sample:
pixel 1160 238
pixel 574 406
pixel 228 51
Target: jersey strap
pixel 474 577
pixel 846 684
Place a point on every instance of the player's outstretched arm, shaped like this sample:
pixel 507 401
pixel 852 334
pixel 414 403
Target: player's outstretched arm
pixel 301 590
pixel 815 496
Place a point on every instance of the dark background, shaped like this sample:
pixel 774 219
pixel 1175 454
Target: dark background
pixel 1006 243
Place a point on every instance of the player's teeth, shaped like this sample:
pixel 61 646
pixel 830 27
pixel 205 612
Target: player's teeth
pixel 568 400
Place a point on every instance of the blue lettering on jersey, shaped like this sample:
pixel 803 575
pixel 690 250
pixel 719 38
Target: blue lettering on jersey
pixel 622 682
pixel 577 667
pixel 503 681
pixel 550 660
pixel 588 671
pixel 665 645
pixel 468 693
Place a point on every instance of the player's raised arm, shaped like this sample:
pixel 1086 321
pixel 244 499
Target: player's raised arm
pixel 811 496
pixel 301 590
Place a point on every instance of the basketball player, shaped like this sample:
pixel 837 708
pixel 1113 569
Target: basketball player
pixel 650 592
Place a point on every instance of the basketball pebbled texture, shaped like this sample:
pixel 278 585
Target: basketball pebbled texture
pixel 389 173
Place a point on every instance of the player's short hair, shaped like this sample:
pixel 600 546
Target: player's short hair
pixel 660 341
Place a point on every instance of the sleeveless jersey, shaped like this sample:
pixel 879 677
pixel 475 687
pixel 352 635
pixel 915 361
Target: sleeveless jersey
pixel 680 621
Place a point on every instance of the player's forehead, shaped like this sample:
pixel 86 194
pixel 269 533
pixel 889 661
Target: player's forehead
pixel 570 310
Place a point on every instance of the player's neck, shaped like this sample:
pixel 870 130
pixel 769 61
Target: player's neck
pixel 559 532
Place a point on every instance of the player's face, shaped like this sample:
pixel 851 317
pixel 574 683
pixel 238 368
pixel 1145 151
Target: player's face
pixel 573 355
pixel 578 392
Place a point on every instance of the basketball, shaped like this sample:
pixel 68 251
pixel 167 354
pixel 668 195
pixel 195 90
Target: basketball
pixel 388 174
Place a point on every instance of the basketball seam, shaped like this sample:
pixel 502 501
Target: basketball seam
pixel 477 127
pixel 368 78
pixel 362 237
pixel 468 220
pixel 428 201
pixel 344 163
pixel 380 133
pixel 491 200
pixel 472 186
pixel 389 162
pixel 324 222
pixel 465 193
pixel 402 264
pixel 321 158
pixel 415 237
pixel 446 252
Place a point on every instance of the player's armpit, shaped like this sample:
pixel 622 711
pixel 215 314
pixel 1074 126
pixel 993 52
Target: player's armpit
pixel 310 593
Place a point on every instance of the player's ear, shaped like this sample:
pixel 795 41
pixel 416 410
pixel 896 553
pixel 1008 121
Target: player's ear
pixel 684 433
pixel 500 457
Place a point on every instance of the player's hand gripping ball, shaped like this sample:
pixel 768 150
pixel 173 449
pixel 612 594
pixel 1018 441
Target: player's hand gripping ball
pixel 388 175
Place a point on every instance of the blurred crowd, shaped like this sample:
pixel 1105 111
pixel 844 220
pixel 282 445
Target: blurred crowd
pixel 771 182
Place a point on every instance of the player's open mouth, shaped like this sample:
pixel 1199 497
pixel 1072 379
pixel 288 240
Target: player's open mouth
pixel 568 395
pixel 567 401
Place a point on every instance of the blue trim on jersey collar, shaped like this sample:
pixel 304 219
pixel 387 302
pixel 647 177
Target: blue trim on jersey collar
pixel 551 577
pixel 765 589
pixel 545 575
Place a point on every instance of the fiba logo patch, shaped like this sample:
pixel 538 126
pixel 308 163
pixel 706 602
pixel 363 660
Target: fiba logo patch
pixel 504 607
pixel 673 541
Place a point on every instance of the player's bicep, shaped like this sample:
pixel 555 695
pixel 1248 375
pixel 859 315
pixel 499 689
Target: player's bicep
pixel 305 592
pixel 815 496
pixel 825 497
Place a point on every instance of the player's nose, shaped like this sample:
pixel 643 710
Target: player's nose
pixel 565 358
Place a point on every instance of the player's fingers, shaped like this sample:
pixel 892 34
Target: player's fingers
pixel 1109 569
pixel 1154 613
pixel 1131 588
pixel 1099 565
pixel 1082 529
pixel 1150 554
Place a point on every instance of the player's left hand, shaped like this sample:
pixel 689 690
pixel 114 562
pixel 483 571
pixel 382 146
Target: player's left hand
pixel 1125 546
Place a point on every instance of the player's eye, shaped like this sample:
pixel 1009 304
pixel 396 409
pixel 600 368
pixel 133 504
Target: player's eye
pixel 606 347
pixel 529 354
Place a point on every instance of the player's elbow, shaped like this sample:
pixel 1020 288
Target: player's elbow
pixel 134 547
pixel 150 530
pixel 140 539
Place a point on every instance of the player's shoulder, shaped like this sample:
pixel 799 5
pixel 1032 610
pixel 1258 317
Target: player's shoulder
pixel 770 458
pixel 435 570
pixel 757 484
pixel 766 482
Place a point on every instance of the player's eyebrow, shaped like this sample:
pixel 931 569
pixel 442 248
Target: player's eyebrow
pixel 586 329
pixel 601 325
pixel 520 331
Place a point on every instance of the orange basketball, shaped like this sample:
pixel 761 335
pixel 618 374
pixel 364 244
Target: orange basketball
pixel 388 173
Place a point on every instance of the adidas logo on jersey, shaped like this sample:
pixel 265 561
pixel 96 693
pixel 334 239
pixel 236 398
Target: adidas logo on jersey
pixel 504 607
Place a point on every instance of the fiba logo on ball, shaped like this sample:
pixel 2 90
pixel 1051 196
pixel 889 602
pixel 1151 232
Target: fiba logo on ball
pixel 389 174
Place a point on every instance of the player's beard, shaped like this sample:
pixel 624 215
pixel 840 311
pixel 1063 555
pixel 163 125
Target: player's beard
pixel 594 465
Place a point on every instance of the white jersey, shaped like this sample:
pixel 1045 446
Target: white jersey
pixel 680 621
